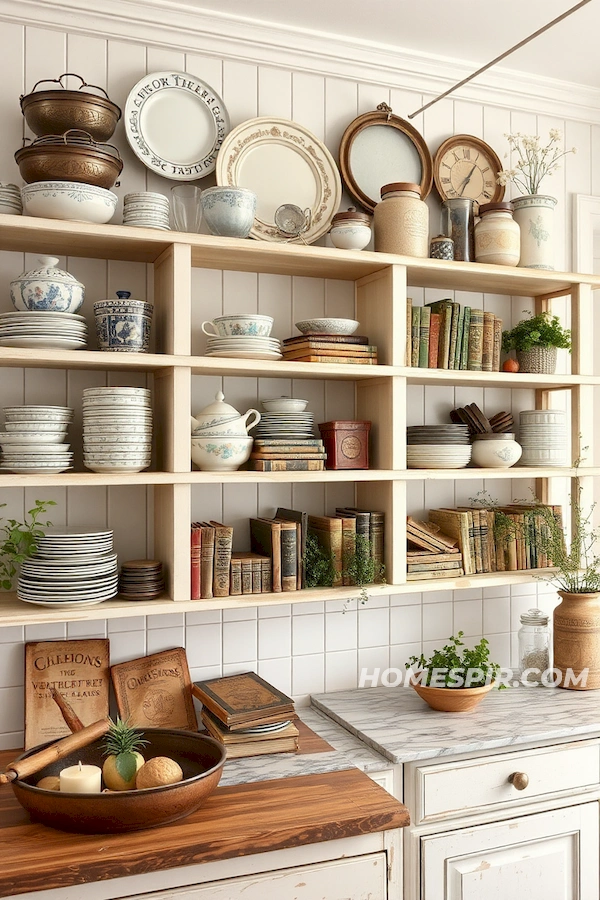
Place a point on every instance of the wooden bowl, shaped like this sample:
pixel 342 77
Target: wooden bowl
pixel 201 758
pixel 452 699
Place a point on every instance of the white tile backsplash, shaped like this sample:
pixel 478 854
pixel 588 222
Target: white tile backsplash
pixel 341 670
pixel 274 638
pixel 373 627
pixel 406 624
pixel 340 631
pixel 239 641
pixel 164 639
pixel 308 634
pixel 308 674
pixel 203 645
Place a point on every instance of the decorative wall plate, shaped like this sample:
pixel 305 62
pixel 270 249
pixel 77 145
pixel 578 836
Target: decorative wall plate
pixel 380 148
pixel 175 124
pixel 283 163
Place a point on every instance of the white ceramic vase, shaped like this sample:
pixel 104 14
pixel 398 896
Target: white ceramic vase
pixel 534 214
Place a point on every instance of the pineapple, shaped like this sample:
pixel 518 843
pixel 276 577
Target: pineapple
pixel 123 759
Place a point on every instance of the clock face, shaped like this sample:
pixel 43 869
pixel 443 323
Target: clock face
pixel 466 167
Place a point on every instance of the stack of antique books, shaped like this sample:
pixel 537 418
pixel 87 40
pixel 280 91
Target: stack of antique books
pixel 288 455
pixel 330 348
pixel 247 714
pixel 445 335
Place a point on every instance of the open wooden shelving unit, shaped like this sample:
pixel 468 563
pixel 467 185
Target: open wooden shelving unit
pixel 381 282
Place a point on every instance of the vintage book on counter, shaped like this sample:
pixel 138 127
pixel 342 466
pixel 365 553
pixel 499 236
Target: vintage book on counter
pixel 155 691
pixel 242 701
pixel 241 744
pixel 65 682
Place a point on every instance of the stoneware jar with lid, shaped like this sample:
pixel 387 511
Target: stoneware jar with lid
pixel 350 230
pixel 497 235
pixel 401 221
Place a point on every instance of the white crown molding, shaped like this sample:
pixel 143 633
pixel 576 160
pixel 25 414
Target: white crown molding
pixel 184 27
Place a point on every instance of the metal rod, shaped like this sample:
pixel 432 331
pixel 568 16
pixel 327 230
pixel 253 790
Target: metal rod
pixel 501 57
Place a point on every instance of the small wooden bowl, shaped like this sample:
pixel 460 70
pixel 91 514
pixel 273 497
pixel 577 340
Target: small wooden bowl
pixel 201 758
pixel 452 699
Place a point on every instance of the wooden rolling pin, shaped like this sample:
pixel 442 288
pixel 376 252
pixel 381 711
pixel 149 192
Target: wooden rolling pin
pixel 31 764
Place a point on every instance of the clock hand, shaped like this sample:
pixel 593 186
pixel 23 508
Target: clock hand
pixel 466 181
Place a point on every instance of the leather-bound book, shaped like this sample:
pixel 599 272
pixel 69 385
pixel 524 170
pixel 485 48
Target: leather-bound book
pixel 265 539
pixel 235 576
pixel 487 358
pixel 266 566
pixel 497 344
pixel 207 561
pixel 464 350
pixel 453 334
pixel 196 561
pixel 424 337
pixel 223 547
pixel 348 544
pixel 241 701
pixel 476 341
pixel 328 532
pixel 408 353
pixel 434 340
pixel 301 520
pixel 415 335
pixel 155 691
pixel 239 745
pixel 289 556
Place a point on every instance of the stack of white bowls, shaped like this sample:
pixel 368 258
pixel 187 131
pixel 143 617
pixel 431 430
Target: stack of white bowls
pixel 33 442
pixel 543 437
pixel 10 200
pixel 146 209
pixel 117 429
pixel 437 447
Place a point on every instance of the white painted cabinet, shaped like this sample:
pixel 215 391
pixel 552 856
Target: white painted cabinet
pixel 549 856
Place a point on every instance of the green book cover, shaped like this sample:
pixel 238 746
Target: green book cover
pixel 424 338
pixel 476 340
pixel 453 334
pixel 415 335
pixel 459 339
pixel 464 350
pixel 444 344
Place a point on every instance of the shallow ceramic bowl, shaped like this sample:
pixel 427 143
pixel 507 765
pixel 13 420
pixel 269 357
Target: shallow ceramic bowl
pixel 221 455
pixel 285 404
pixel 228 211
pixel 452 699
pixel 51 427
pixel 32 437
pixel 244 324
pixel 327 326
pixel 26 449
pixel 200 757
pixel 107 429
pixel 69 200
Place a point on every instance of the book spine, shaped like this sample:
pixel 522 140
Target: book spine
pixel 434 340
pixel 266 584
pixel 464 350
pixel 196 560
pixel 478 542
pixel 449 567
pixel 424 337
pixel 408 353
pixel 289 563
pixel 415 335
pixel 348 546
pixel 235 577
pixel 453 334
pixel 485 551
pixel 246 576
pixel 487 355
pixel 223 543
pixel 287 465
pixel 444 342
pixel 459 339
pixel 476 341
pixel 256 567
pixel 376 536
pixel 497 344
pixel 347 360
pixel 208 562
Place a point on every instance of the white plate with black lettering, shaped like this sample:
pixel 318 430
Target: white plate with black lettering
pixel 175 124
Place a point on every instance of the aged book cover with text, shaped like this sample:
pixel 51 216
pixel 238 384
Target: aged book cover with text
pixel 156 691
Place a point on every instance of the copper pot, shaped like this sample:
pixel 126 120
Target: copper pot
pixel 73 156
pixel 55 111
pixel 201 758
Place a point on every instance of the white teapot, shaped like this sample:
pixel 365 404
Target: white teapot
pixel 220 418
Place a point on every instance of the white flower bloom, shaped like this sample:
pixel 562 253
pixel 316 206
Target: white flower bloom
pixel 533 161
pixel 555 134
pixel 573 149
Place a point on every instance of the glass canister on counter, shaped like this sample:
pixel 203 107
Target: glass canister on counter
pixel 401 221
pixel 534 645
pixel 497 235
pixel 458 222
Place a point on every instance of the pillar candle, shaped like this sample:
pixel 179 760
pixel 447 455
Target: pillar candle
pixel 81 779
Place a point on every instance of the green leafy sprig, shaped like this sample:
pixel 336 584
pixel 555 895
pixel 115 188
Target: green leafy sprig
pixel 18 540
pixel 453 663
pixel 543 330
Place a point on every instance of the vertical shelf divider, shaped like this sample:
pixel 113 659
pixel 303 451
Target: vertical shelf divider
pixel 582 396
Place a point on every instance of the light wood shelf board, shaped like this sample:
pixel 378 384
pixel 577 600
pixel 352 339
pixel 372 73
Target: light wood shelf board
pixel 84 359
pixel 91 479
pixel 264 368
pixel 327 476
pixel 495 379
pixel 515 472
pixel 463 582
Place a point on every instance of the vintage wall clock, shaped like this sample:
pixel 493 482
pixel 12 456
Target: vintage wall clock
pixel 465 166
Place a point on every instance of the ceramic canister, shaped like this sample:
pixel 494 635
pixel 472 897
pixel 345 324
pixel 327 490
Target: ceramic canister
pixel 350 230
pixel 47 288
pixel 441 247
pixel 535 216
pixel 495 451
pixel 401 221
pixel 497 235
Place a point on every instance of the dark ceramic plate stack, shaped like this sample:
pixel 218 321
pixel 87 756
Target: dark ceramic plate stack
pixel 437 446
pixel 141 579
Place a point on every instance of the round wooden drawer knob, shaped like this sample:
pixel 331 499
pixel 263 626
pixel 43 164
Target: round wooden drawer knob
pixel 519 780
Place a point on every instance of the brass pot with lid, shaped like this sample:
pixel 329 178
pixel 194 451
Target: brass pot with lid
pixel 55 111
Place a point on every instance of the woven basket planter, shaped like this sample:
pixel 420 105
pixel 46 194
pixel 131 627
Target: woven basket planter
pixel 538 360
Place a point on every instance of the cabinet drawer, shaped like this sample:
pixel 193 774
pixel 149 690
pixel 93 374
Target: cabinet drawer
pixel 474 785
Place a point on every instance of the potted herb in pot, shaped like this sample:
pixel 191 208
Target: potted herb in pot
pixel 18 541
pixel 536 341
pixel 454 680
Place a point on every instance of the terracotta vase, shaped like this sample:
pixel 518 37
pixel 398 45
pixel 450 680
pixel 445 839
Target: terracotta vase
pixel 577 639
pixel 452 699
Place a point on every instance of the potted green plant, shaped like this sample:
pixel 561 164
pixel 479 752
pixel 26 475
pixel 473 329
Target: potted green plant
pixel 18 540
pixel 536 340
pixel 454 679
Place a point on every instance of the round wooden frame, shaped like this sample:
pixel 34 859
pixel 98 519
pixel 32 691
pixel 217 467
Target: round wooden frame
pixel 382 116
pixel 478 144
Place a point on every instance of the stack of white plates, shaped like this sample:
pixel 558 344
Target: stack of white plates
pixel 438 456
pixel 71 567
pixel 298 425
pixel 38 329
pixel 33 440
pixel 117 429
pixel 10 200
pixel 543 437
pixel 146 209
pixel 244 346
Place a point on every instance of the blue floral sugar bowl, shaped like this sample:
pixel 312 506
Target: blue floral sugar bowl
pixel 47 288
pixel 229 211
pixel 123 324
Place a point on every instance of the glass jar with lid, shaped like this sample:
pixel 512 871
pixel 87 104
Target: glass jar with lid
pixel 534 645
pixel 401 220
pixel 497 235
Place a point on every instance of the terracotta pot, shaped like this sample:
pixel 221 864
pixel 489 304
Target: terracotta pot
pixel 452 699
pixel 577 638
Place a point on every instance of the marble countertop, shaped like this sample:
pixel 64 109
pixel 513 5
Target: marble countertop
pixel 349 752
pixel 397 724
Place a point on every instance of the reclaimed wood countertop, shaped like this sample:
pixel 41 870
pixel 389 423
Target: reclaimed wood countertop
pixel 235 821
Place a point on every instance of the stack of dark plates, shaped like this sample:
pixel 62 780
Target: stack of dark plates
pixel 437 446
pixel 141 579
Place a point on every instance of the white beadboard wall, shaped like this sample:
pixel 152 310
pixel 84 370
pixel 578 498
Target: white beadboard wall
pixel 308 648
